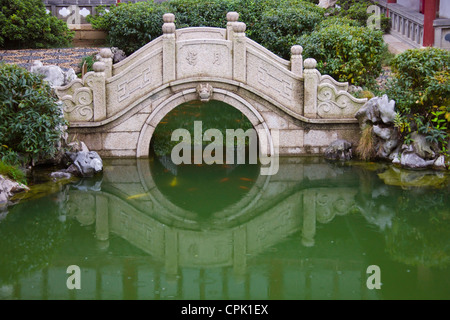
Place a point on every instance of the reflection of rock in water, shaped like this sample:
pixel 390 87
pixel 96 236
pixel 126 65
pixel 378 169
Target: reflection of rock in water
pixel 409 178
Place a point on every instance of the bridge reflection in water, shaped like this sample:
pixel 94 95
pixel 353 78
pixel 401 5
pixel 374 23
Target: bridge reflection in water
pixel 225 255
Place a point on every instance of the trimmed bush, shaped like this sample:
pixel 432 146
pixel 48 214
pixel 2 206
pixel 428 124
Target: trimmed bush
pixel 30 119
pixel 280 27
pixel 346 52
pixel 25 24
pixel 274 24
pixel 200 13
pixel 130 25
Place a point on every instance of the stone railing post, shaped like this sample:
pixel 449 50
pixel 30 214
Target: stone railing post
pixel 106 57
pixel 232 17
pixel 98 86
pixel 311 83
pixel 169 48
pixel 297 60
pixel 101 220
pixel 239 52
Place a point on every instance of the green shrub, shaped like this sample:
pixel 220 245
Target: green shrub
pixel 30 119
pixel 421 90
pixel 357 11
pixel 200 13
pixel 130 25
pixel 346 52
pixel 25 24
pixel 275 24
pixel 280 27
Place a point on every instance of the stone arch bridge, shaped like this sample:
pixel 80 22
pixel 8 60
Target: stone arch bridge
pixel 116 108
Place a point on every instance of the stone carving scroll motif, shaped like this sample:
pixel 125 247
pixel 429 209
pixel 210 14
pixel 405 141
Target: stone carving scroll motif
pixel 77 99
pixel 333 102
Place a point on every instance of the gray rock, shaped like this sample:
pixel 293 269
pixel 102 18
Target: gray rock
pixel 413 161
pixel 339 150
pixel 353 89
pixel 378 109
pixel 8 188
pixel 88 163
pixel 60 175
pixel 422 147
pixel 439 163
pixel 54 75
pixel 383 133
pixel 118 55
pixel 327 3
pixel 387 109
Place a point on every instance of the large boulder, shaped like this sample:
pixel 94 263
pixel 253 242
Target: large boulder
pixel 410 159
pixel 339 150
pixel 54 75
pixel 88 163
pixel 377 110
pixel 8 188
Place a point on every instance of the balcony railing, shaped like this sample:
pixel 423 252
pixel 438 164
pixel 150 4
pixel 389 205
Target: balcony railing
pixel 405 23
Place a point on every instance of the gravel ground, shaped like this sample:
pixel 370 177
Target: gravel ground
pixel 64 58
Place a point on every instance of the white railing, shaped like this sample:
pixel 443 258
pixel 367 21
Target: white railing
pixel 405 23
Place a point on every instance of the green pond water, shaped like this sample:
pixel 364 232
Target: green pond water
pixel 146 229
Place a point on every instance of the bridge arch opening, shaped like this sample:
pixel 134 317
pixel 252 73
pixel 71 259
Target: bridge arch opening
pixel 204 188
pixel 264 142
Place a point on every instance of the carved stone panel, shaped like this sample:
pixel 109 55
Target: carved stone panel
pixel 274 81
pixel 207 58
pixel 138 80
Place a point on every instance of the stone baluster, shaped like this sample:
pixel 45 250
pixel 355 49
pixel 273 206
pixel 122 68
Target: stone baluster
pixel 101 220
pixel 239 52
pixel 309 218
pixel 311 82
pixel 98 86
pixel 232 17
pixel 106 57
pixel 169 48
pixel 297 60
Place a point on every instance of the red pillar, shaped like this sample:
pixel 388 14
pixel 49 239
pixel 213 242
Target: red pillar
pixel 389 1
pixel 429 11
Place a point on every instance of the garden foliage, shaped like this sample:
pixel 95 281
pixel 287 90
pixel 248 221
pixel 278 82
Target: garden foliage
pixel 31 121
pixel 421 89
pixel 25 24
pixel 346 51
pixel 343 46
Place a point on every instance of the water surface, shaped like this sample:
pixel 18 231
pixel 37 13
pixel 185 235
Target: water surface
pixel 146 229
